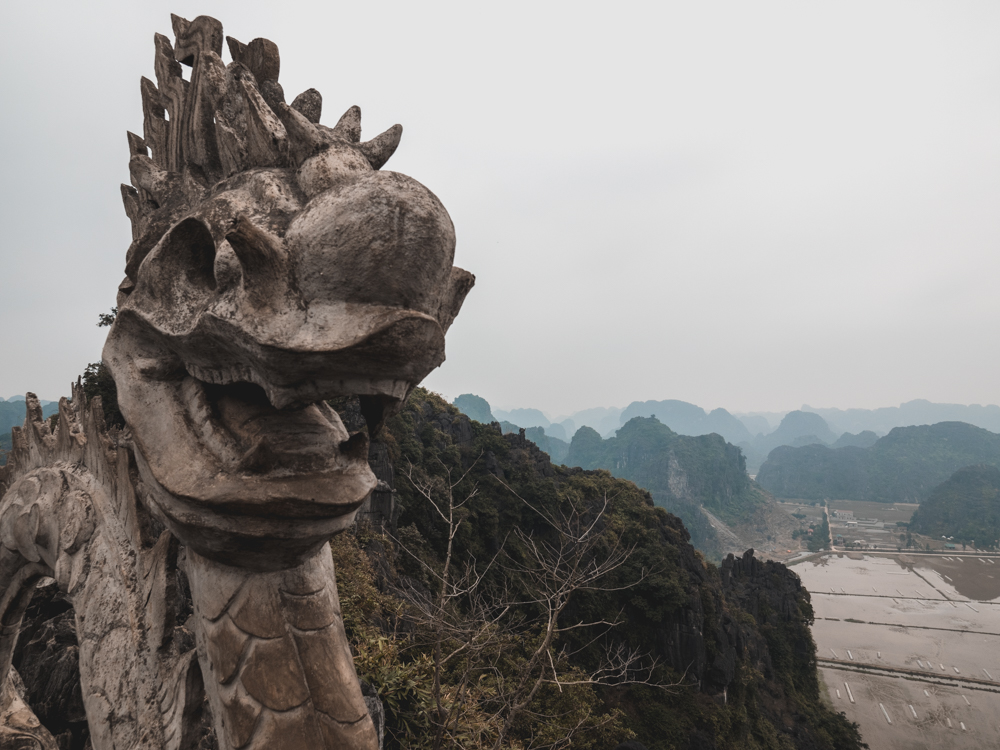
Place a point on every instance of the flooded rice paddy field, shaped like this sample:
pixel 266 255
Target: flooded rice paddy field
pixel 917 640
pixel 941 712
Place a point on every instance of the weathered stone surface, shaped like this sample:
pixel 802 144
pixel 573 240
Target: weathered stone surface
pixel 19 727
pixel 310 104
pixel 273 267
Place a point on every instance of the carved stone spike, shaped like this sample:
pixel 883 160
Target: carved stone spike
pixel 197 37
pixel 273 94
pixel 161 184
pixel 381 147
pixel 154 123
pixel 459 286
pixel 134 208
pixel 304 138
pixel 267 141
pixel 136 145
pixel 159 589
pixel 172 87
pixel 348 126
pixel 199 45
pixel 263 59
pixel 231 123
pixel 260 56
pixel 310 104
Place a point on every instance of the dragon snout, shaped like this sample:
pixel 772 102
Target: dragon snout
pixel 383 240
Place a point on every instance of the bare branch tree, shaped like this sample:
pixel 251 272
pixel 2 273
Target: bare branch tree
pixel 473 622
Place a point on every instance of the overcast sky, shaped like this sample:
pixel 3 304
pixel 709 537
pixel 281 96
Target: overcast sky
pixel 752 205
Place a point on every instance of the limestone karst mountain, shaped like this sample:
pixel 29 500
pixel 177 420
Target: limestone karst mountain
pixel 733 640
pixel 523 417
pixel 739 630
pixel 683 473
pixel 903 466
pixel 965 507
pixel 475 407
pixel 688 419
pixel 797 425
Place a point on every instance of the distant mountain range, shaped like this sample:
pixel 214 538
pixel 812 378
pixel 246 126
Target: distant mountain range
pixel 911 413
pixel 752 433
pixel 688 419
pixel 904 466
pixel 682 472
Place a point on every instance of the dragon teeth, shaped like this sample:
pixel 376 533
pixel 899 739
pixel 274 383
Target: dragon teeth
pixel 222 376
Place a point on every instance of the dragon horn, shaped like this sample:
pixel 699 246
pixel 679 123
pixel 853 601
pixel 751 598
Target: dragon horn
pixel 378 150
pixel 348 126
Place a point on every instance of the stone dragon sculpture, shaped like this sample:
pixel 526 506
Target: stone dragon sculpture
pixel 273 266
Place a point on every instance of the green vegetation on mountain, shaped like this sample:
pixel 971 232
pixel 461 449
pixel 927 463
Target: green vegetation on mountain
pixel 682 472
pixel 731 645
pixel 966 507
pixel 475 407
pixel 97 382
pixel 816 472
pixel 556 448
pixel 478 408
pixel 903 466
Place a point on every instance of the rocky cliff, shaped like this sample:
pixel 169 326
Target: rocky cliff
pixel 734 639
pixel 682 473
pixel 732 642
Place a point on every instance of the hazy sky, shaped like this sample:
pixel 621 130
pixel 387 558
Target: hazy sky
pixel 749 205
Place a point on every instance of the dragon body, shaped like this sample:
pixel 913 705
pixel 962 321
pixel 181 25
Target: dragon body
pixel 274 266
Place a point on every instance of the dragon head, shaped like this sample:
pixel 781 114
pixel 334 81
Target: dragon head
pixel 274 265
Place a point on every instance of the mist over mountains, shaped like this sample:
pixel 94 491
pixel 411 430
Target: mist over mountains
pixel 756 434
pixel 915 412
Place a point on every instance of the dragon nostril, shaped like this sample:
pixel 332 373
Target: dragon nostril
pixel 190 252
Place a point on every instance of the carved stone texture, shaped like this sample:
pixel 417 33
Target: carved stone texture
pixel 19 727
pixel 274 266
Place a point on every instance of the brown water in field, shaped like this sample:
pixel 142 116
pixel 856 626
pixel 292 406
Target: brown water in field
pixel 925 631
pixel 969 576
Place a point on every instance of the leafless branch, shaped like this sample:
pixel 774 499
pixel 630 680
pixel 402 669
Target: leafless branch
pixel 468 624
